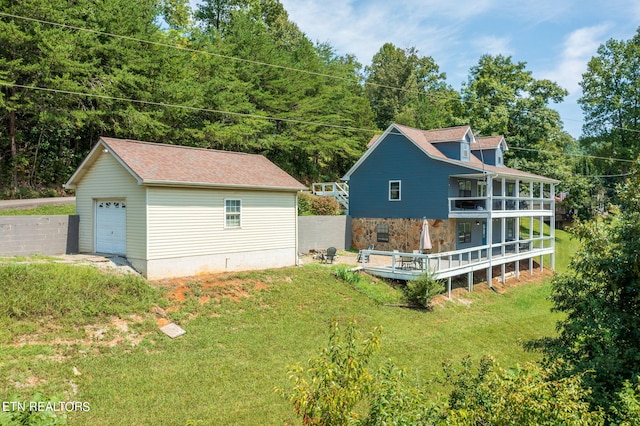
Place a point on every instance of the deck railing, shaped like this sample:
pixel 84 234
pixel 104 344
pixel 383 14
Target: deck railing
pixel 447 263
pixel 499 204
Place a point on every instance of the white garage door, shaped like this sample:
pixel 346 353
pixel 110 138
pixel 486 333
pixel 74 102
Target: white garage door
pixel 111 227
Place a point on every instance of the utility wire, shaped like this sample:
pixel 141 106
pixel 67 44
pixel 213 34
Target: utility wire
pixel 436 95
pixel 186 49
pixel 262 117
pixel 282 67
pixel 192 108
pixel 576 155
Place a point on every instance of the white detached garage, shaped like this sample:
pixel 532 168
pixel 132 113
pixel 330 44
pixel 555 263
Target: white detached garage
pixel 179 211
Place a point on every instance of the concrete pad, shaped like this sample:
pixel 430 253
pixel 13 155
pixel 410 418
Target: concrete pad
pixel 172 330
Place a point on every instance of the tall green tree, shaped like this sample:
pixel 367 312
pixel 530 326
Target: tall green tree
pixel 611 104
pixel 600 295
pixel 502 97
pixel 406 88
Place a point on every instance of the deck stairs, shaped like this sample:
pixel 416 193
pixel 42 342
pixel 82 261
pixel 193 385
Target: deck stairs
pixel 337 190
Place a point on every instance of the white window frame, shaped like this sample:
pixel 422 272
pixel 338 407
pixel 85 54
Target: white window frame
pixel 499 158
pixel 399 182
pixel 465 151
pixel 482 189
pixel 464 231
pixel 228 214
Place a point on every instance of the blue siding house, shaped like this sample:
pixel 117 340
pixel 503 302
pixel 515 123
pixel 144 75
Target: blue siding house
pixel 458 182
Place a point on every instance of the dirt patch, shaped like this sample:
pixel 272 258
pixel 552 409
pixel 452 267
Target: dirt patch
pixel 116 332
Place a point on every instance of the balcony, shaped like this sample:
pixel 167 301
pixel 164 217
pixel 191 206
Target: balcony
pixel 478 207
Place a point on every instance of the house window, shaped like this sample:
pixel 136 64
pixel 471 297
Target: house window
pixel 232 210
pixel 394 190
pixel 464 232
pixel 465 152
pixel 382 232
pixel 464 188
pixel 499 161
pixel 482 189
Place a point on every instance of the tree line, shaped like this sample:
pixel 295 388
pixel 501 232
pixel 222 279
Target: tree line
pixel 240 75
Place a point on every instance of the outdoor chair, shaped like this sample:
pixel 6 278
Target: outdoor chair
pixel 329 255
pixel 366 258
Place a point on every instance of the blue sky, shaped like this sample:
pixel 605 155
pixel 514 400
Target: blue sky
pixel 556 38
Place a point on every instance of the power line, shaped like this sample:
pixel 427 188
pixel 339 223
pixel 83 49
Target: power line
pixel 575 155
pixel 192 108
pixel 186 49
pixel 436 95
pixel 262 117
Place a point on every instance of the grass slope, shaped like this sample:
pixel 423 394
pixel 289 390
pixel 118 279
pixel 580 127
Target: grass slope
pixel 49 210
pixel 243 330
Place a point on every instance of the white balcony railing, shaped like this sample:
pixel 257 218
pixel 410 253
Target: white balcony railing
pixel 457 262
pixel 473 205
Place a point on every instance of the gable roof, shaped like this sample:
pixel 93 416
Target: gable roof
pixel 426 140
pixel 174 165
pixel 489 142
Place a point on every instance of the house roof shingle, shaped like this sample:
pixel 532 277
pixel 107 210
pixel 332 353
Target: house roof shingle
pixel 158 164
pixel 487 142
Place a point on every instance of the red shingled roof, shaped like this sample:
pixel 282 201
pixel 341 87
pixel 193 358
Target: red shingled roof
pixel 487 142
pixel 174 165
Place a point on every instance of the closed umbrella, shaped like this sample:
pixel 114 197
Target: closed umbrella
pixel 425 239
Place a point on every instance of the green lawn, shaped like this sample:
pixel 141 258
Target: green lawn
pixel 238 345
pixel 50 210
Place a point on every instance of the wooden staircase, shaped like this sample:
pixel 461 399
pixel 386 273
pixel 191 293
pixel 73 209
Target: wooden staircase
pixel 337 190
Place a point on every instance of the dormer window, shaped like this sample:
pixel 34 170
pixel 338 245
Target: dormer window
pixel 499 160
pixel 465 151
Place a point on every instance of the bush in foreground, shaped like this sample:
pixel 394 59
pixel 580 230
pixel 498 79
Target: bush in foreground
pixel 340 387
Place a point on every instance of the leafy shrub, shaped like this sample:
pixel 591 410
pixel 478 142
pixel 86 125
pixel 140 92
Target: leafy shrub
pixel 304 203
pixel 627 408
pixel 422 290
pixel 347 275
pixel 27 417
pixel 339 388
pixel 325 206
pixel 328 390
pixel 490 395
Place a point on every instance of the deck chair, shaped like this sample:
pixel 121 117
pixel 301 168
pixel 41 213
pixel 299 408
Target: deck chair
pixel 329 255
pixel 366 258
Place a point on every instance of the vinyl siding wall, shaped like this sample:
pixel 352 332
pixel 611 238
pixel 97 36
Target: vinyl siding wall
pixel 107 179
pixel 425 183
pixel 187 222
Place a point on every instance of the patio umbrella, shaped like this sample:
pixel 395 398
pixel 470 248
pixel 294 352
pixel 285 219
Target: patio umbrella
pixel 425 239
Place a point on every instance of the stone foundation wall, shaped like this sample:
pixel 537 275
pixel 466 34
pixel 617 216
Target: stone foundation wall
pixel 404 234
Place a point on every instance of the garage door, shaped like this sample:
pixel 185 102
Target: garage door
pixel 111 226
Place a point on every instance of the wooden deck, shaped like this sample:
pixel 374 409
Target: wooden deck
pixel 409 266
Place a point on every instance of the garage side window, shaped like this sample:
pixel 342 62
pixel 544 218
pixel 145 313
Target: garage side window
pixel 232 213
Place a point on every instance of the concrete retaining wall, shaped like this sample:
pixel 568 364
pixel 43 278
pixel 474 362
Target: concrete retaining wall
pixel 47 235
pixel 321 232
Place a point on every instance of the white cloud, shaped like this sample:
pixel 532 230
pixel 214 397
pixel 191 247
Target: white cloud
pixel 493 45
pixel 579 46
